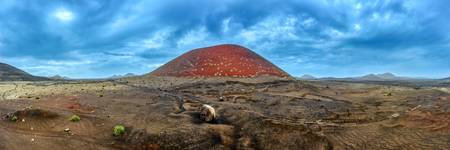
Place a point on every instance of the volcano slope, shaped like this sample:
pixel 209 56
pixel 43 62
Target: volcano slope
pixel 219 61
pixel 161 112
pixel 10 73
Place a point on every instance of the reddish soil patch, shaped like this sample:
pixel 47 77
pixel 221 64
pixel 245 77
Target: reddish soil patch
pixel 219 61
pixel 73 105
pixel 78 107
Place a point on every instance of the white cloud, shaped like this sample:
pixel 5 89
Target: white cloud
pixel 274 28
pixel 226 25
pixel 334 33
pixel 83 65
pixel 119 23
pixel 357 27
pixel 155 41
pixel 193 37
pixel 358 6
pixel 154 66
pixel 43 67
pixel 309 22
pixel 63 15
pixel 69 63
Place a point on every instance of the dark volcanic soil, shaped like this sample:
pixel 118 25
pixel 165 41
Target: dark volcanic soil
pixel 269 115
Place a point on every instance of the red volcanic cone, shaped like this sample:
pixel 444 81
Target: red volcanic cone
pixel 219 61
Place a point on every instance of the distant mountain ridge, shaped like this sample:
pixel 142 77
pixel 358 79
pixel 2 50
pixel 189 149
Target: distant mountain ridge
pixel 59 77
pixel 383 76
pixel 374 77
pixel 307 77
pixel 11 73
pixel 122 76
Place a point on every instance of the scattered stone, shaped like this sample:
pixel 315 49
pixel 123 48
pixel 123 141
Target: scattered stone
pixel 245 143
pixel 395 115
pixel 67 130
pixel 418 106
pixel 207 113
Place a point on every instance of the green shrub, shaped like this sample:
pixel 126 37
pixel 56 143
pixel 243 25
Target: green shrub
pixel 75 118
pixel 118 130
pixel 389 94
pixel 14 118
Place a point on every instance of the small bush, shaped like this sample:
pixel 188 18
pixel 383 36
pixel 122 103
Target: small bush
pixel 118 130
pixel 75 118
pixel 389 94
pixel 14 118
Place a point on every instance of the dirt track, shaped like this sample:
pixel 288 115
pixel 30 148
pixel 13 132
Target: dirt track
pixel 164 114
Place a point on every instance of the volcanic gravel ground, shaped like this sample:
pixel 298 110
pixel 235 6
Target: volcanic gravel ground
pixel 276 114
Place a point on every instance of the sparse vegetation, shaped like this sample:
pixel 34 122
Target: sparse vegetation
pixel 119 130
pixel 75 118
pixel 14 118
pixel 389 94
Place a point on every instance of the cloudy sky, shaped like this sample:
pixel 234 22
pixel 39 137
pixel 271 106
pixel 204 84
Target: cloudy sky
pixel 99 38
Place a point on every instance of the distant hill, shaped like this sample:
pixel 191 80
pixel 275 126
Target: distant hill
pixel 122 76
pixel 307 77
pixel 446 79
pixel 58 77
pixel 10 73
pixel 384 76
pixel 374 77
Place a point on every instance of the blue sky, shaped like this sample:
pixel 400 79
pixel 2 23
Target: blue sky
pixel 100 38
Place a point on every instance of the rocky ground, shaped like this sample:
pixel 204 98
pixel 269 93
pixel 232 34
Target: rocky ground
pixel 163 113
